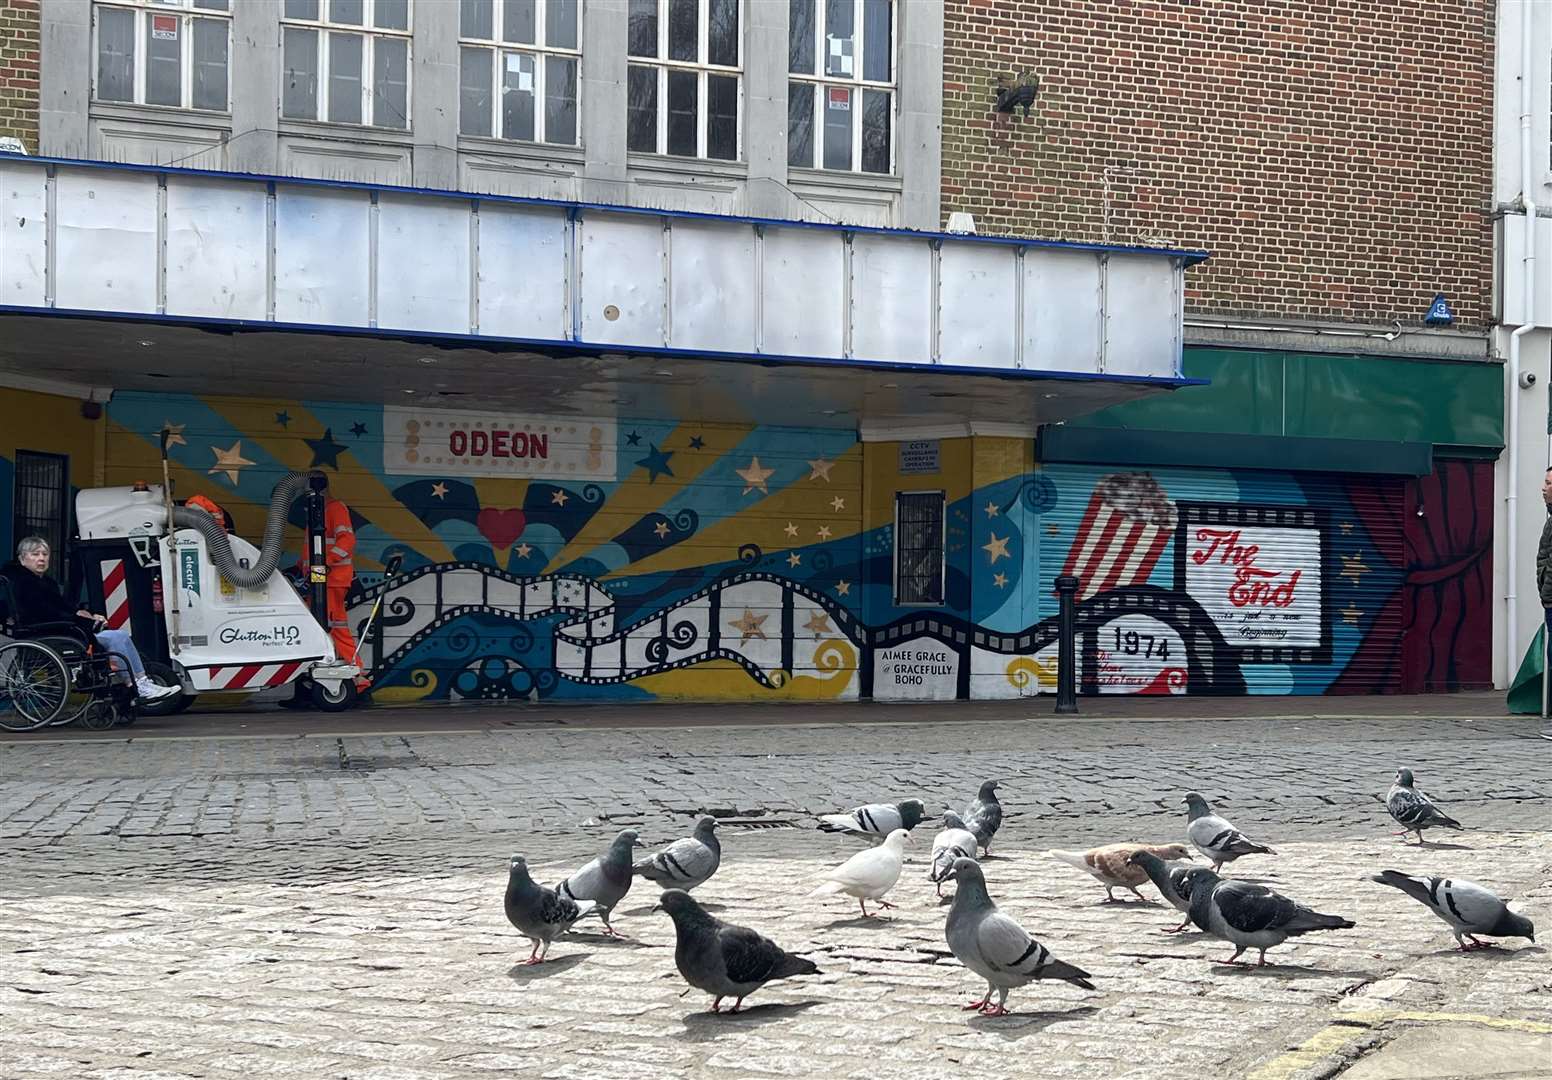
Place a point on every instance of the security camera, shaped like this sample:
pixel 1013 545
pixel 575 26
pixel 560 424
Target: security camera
pixel 1527 380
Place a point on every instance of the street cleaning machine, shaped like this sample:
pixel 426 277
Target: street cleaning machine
pixel 210 612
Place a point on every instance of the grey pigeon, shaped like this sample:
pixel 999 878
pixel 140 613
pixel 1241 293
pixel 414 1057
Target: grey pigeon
pixel 954 842
pixel 1469 908
pixel 1413 810
pixel 984 816
pixel 606 879
pixel 722 959
pixel 1176 882
pixel 1216 838
pixel 685 863
pixel 996 947
pixel 876 819
pixel 1251 916
pixel 540 913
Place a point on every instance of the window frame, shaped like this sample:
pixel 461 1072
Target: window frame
pixel 856 84
pixel 185 11
pixel 942 503
pixel 324 27
pixel 499 49
pixel 702 69
pixel 58 546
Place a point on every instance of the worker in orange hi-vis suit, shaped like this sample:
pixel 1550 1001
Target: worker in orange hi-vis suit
pixel 339 550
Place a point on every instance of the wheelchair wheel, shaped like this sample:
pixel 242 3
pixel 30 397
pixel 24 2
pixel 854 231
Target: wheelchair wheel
pixel 100 716
pixel 34 685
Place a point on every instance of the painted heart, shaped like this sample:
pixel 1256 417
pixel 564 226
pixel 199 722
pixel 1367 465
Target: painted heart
pixel 501 527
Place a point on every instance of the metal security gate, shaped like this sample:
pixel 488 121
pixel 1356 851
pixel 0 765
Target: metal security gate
pixel 1219 581
pixel 42 503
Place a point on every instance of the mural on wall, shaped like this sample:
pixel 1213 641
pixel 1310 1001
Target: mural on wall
pixel 612 558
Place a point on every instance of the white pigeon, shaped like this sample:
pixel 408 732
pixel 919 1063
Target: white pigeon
pixel 869 874
pixel 954 842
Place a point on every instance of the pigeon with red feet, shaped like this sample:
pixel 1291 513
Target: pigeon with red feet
pixel 1251 916
pixel 724 960
pixel 540 913
pixel 1469 908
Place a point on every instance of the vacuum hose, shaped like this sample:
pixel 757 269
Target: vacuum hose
pixel 293 487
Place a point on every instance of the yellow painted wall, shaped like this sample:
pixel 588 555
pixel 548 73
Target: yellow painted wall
pixel 49 424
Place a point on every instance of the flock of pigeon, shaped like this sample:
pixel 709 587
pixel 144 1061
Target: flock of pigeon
pixel 730 961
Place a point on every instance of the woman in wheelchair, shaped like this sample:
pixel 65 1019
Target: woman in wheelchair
pixel 38 600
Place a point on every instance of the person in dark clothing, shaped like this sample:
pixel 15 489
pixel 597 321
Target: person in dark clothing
pixel 38 600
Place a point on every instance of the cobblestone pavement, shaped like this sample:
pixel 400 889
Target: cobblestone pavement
pixel 329 907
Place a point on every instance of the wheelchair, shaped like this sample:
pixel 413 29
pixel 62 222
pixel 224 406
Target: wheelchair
pixel 56 673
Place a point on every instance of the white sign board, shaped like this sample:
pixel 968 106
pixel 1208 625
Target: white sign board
pixel 440 442
pixel 919 457
pixel 921 669
pixel 1260 584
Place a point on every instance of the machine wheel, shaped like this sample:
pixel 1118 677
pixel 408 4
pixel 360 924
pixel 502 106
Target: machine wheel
pixel 34 686
pixel 163 675
pixel 338 699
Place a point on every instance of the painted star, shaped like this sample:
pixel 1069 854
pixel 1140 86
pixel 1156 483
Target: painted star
pixel 1351 615
pixel 837 504
pixel 791 529
pixel 325 450
pixel 229 462
pixel 558 497
pixel 823 532
pixel 656 463
pixel 358 429
pixel 819 623
pixel 283 418
pixel 750 626
pixel 820 469
pixel 755 477
pixel 523 551
pixel 174 433
pixel 634 438
pixel 991 510
pixel 1000 580
pixel 1352 567
pixel 843 588
pixel 998 548
pixel 661 528
pixel 439 490
pixel 697 443
pixel 794 559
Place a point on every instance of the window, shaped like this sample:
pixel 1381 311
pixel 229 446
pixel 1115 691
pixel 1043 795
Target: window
pixel 517 69
pixel 346 61
pixel 163 52
pixel 683 88
pixel 42 504
pixel 919 547
pixel 841 90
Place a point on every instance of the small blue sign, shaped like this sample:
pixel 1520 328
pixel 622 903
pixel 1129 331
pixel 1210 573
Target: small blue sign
pixel 1439 313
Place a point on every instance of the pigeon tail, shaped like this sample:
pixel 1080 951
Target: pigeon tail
pixel 1416 888
pixel 1060 969
pixel 1441 818
pixel 829 888
pixel 837 823
pixel 1072 858
pixel 793 965
pixel 1307 921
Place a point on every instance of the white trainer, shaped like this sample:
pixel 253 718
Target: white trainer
pixel 155 691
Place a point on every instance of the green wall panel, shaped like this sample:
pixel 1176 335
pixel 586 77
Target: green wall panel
pixel 1322 396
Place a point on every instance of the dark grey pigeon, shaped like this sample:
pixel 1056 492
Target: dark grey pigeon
pixel 1216 838
pixel 984 816
pixel 685 863
pixel 1176 882
pixel 877 820
pixel 1413 810
pixel 540 913
pixel 1251 916
pixel 1469 908
pixel 606 879
pixel 996 947
pixel 722 959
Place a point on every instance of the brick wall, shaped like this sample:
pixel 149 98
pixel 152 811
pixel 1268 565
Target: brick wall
pixel 1334 155
pixel 19 21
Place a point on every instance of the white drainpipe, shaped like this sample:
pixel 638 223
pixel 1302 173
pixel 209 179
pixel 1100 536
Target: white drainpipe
pixel 1528 199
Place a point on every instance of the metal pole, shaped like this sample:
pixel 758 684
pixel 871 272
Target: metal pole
pixel 317 564
pixel 1067 645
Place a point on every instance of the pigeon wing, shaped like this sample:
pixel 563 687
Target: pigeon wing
pixel 1249 908
pixel 870 869
pixel 587 883
pixel 683 860
pixel 748 957
pixel 557 910
pixel 1409 807
pixel 1212 833
pixel 1473 906
pixel 1007 946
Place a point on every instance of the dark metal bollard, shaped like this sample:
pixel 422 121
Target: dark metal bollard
pixel 317 563
pixel 1067 645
